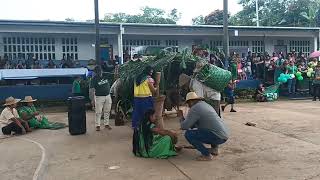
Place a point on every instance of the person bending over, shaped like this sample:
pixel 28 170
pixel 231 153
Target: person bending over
pixel 203 126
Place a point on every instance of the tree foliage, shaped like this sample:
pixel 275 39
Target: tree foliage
pixel 199 20
pixel 214 18
pixel 148 15
pixel 278 13
pixel 296 13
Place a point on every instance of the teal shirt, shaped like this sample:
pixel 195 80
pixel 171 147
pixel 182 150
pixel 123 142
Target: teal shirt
pixel 292 69
pixel 76 88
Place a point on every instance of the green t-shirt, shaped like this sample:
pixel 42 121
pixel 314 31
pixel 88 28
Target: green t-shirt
pixel 76 88
pixel 101 86
pixel 292 69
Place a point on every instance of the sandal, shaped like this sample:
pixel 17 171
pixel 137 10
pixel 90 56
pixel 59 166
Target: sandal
pixel 178 148
pixel 108 127
pixel 205 158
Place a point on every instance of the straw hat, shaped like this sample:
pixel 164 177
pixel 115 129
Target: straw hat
pixel 184 79
pixel 28 99
pixel 193 96
pixel 11 100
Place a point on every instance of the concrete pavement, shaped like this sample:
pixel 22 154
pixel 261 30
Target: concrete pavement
pixel 284 145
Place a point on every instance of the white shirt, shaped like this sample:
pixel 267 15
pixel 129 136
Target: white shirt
pixel 6 115
pixel 204 91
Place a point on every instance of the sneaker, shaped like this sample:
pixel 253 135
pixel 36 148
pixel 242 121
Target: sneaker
pixel 223 107
pixel 108 127
pixel 98 128
pixel 232 110
pixel 214 151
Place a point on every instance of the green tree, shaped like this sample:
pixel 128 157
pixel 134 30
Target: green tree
pixel 198 20
pixel 215 18
pixel 149 15
pixel 278 13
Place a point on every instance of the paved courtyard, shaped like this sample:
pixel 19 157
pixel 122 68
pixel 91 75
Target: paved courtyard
pixel 285 144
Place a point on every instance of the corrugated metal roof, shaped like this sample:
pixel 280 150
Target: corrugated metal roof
pixel 103 24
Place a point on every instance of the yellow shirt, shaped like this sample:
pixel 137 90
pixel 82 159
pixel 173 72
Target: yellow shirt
pixel 142 90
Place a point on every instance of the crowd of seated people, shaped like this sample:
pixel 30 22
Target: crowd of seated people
pixel 33 63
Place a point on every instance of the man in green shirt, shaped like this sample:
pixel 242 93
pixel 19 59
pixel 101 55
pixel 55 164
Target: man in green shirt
pixel 103 101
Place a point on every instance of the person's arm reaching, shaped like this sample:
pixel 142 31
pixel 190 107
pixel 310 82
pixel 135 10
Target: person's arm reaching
pixel 190 120
pixel 152 88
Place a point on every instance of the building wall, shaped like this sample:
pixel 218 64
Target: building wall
pixel 86 50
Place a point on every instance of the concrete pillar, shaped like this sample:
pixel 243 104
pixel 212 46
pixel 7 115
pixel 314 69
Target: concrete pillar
pixel 120 45
pixel 315 45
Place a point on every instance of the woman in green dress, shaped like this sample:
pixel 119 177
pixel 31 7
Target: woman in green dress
pixel 149 141
pixel 28 112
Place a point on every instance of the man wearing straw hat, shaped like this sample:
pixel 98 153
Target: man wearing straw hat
pixel 10 120
pixel 210 128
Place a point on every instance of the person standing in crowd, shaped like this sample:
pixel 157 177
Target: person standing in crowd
pixel 278 65
pixel 144 88
pixel 292 70
pixel 10 120
pixel 103 100
pixel 211 129
pixel 229 91
pixel 316 83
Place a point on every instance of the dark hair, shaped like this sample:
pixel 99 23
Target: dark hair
pixel 140 78
pixel 144 129
pixel 97 69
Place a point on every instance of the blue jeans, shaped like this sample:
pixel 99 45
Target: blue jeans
pixel 292 85
pixel 140 106
pixel 200 137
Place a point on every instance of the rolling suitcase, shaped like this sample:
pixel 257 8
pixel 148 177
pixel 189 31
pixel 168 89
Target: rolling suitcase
pixel 77 115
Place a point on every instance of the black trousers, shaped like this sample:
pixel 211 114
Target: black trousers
pixel 13 127
pixel 316 91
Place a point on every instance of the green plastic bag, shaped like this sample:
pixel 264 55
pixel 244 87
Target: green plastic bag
pixel 214 77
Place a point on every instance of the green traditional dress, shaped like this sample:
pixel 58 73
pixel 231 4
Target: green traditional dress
pixel 162 146
pixel 35 123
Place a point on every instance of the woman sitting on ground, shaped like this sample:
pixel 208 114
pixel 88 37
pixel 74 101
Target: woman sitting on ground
pixel 259 96
pixel 150 141
pixel 28 112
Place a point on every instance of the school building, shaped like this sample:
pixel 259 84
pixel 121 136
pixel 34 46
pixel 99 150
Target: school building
pixel 75 40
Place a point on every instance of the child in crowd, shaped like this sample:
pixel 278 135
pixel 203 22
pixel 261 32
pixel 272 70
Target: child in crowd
pixel 229 91
pixel 259 95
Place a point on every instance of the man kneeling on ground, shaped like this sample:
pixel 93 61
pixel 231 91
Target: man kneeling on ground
pixel 10 120
pixel 203 126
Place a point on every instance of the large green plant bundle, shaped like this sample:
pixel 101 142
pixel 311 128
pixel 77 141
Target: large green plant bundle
pixel 214 77
pixel 171 65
